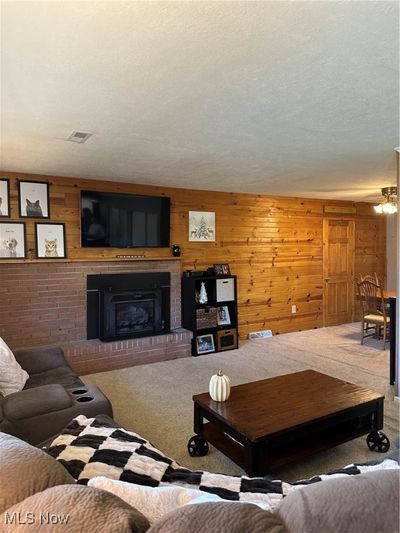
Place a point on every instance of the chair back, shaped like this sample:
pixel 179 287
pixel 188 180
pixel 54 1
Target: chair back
pixel 370 277
pixel 371 297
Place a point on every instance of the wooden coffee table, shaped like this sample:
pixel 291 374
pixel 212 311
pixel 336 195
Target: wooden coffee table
pixel 269 423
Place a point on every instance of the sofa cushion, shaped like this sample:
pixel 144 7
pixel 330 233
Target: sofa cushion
pixel 12 376
pixel 219 518
pixel 25 470
pixel 78 509
pixel 345 504
pixel 33 402
pixel 62 375
pixel 37 360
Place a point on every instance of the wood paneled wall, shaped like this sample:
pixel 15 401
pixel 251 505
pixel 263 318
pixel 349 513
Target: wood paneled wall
pixel 273 244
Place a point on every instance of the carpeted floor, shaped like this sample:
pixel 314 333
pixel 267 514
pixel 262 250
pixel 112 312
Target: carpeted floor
pixel 155 400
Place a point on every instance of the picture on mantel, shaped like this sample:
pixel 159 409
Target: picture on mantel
pixel 201 226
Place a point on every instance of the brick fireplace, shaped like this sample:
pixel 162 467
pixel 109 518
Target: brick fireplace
pixel 46 304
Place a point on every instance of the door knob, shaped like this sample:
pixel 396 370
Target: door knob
pixel 327 280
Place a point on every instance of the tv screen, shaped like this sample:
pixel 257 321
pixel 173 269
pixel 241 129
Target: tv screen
pixel 124 220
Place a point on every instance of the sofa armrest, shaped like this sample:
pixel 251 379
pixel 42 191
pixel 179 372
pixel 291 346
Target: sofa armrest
pixel 29 403
pixel 37 360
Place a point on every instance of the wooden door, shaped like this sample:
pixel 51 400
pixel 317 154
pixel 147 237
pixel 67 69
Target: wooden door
pixel 338 266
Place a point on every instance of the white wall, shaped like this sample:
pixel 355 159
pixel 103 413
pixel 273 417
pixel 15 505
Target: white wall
pixel 391 251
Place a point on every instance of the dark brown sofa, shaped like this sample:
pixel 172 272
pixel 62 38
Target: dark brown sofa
pixel 52 396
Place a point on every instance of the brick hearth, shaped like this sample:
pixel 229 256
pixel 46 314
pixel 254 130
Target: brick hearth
pixel 45 304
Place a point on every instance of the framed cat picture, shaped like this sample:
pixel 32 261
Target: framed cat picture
pixel 33 199
pixel 4 197
pixel 50 241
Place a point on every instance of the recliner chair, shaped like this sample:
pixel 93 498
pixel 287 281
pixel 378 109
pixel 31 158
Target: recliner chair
pixel 52 396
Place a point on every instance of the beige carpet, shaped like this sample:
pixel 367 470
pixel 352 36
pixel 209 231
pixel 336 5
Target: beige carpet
pixel 155 400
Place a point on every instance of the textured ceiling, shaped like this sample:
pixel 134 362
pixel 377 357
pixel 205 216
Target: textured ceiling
pixel 282 98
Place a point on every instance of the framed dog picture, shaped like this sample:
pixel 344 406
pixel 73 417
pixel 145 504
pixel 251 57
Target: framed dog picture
pixel 4 197
pixel 33 199
pixel 12 240
pixel 50 241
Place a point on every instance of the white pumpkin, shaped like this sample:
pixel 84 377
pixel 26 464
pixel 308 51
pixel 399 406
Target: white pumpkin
pixel 220 387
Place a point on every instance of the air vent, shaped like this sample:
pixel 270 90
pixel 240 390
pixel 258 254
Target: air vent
pixel 79 136
pixel 266 333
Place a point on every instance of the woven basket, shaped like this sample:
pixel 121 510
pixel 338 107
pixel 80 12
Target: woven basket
pixel 206 317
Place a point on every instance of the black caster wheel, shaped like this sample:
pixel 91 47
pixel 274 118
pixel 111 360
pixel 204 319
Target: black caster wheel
pixel 378 442
pixel 197 446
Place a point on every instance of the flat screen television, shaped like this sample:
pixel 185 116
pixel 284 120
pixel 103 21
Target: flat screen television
pixel 124 220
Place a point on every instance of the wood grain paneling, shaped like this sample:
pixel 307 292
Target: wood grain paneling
pixel 273 244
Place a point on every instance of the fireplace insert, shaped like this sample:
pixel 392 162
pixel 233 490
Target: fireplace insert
pixel 122 306
pixel 130 314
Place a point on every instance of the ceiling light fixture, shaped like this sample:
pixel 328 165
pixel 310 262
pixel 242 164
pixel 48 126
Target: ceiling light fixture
pixel 389 205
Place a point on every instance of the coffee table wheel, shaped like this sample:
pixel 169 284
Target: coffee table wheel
pixel 197 446
pixel 378 442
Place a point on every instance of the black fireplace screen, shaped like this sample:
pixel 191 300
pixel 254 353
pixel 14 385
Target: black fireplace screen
pixel 126 305
pixel 134 317
pixel 130 313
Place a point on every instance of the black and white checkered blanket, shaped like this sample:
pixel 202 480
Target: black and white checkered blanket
pixel 88 448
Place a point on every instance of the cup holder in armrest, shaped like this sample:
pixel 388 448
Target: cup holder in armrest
pixel 79 391
pixel 85 399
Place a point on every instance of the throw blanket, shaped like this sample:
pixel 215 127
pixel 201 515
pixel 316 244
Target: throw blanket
pixel 88 448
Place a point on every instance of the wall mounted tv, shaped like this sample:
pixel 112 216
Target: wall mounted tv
pixel 124 220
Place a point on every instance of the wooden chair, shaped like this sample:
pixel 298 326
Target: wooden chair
pixel 370 277
pixel 374 310
pixel 374 278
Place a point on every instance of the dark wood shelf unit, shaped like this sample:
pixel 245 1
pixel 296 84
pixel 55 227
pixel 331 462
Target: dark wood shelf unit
pixel 214 284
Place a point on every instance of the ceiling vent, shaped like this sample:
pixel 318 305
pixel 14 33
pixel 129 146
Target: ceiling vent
pixel 79 136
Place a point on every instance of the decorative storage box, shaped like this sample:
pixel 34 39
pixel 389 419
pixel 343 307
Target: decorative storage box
pixel 225 290
pixel 206 317
pixel 226 339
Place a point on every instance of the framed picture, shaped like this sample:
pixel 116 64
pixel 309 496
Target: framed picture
pixel 4 197
pixel 33 199
pixel 205 344
pixel 12 240
pixel 222 269
pixel 50 241
pixel 223 317
pixel 201 226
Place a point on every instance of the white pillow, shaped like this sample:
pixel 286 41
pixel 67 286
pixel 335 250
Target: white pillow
pixel 12 376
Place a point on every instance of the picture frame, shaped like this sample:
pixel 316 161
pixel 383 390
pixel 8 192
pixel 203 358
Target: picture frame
pixel 222 269
pixel 223 317
pixel 12 240
pixel 205 344
pixel 201 226
pixel 50 240
pixel 34 199
pixel 5 206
